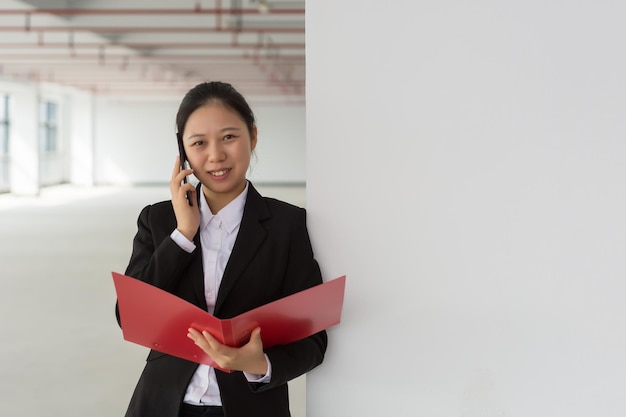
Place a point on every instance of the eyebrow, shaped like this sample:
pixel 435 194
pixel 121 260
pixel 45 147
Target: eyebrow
pixel 223 130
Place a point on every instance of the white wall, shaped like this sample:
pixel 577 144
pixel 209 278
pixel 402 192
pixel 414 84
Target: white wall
pixel 466 171
pixel 81 127
pixel 281 149
pixel 135 141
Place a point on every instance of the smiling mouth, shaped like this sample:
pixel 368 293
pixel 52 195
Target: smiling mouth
pixel 219 173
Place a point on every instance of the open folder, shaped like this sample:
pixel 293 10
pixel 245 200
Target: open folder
pixel 157 319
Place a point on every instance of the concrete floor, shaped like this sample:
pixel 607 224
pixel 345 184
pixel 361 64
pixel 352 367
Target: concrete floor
pixel 61 350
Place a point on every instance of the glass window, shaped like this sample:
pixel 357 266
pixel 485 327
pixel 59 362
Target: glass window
pixel 4 139
pixel 48 126
pixel 4 108
pixel 4 125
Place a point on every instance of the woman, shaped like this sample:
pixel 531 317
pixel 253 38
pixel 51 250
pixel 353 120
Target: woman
pixel 225 248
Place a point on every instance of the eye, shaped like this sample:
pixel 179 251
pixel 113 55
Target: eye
pixel 229 137
pixel 198 143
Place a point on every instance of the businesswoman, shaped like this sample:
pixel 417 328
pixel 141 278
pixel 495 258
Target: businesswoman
pixel 225 248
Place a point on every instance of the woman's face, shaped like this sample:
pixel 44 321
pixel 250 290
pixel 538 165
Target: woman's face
pixel 218 146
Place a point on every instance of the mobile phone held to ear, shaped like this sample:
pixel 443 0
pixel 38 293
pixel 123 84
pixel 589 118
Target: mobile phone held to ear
pixel 183 160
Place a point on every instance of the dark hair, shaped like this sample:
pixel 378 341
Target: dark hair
pixel 213 92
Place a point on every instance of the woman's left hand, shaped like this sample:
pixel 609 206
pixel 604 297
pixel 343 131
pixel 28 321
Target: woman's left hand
pixel 248 358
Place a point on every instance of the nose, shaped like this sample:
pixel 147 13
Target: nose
pixel 216 151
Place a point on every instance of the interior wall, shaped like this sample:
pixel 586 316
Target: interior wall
pixel 81 133
pixel 135 141
pixel 466 171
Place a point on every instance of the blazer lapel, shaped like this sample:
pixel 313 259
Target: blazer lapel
pixel 251 235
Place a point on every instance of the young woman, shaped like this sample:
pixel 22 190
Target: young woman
pixel 225 248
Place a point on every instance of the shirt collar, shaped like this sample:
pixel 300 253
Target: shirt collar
pixel 230 215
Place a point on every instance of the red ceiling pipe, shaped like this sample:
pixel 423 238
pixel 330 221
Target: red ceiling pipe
pixel 148 45
pixel 96 29
pixel 86 12
pixel 218 18
pixel 77 58
pixel 160 57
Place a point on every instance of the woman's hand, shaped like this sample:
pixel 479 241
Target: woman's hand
pixel 248 358
pixel 187 216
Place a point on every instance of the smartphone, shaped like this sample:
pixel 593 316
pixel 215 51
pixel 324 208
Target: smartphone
pixel 183 162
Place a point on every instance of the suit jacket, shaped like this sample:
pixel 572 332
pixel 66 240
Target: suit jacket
pixel 272 258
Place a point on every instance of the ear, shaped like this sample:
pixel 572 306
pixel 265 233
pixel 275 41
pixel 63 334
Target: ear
pixel 253 138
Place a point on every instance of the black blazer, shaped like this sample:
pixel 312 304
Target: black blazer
pixel 272 258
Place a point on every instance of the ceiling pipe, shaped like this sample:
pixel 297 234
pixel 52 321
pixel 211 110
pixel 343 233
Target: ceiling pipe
pixel 218 18
pixel 138 78
pixel 135 76
pixel 158 57
pixel 106 59
pixel 168 83
pixel 168 90
pixel 143 12
pixel 41 43
pixel 135 29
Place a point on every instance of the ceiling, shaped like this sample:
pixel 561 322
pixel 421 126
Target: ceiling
pixel 145 47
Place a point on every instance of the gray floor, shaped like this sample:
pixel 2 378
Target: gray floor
pixel 62 353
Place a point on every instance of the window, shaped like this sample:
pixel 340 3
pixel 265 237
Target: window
pixel 48 126
pixel 4 125
pixel 4 143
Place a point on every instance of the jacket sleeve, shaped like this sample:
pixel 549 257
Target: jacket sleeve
pixel 156 258
pixel 295 359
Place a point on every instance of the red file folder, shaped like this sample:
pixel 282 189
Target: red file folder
pixel 154 318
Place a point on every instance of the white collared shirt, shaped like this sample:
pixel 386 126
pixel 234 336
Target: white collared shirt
pixel 218 233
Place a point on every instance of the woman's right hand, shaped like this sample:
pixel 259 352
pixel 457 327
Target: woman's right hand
pixel 187 216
